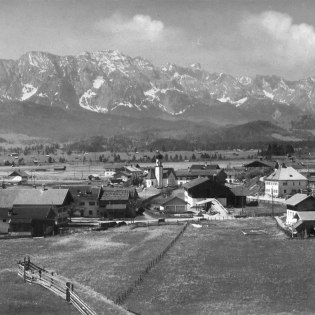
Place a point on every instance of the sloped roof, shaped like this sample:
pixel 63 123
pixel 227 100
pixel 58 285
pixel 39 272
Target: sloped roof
pixel 170 198
pixel 239 190
pixel 258 163
pixel 296 199
pixel 7 197
pixel 306 215
pixel 18 173
pixel 167 172
pixel 286 173
pixel 198 172
pixel 76 190
pixel 41 197
pixel 195 182
pixel 115 194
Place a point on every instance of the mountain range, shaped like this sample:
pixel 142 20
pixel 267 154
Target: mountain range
pixel 107 86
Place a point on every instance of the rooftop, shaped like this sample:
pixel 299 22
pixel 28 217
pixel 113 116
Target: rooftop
pixel 286 173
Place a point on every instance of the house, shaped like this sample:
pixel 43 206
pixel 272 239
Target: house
pixel 285 181
pixel 112 168
pixel 86 199
pixel 186 175
pixel 118 202
pixel 18 173
pixel 32 220
pixel 173 205
pixel 299 203
pixel 305 223
pixel 4 221
pixel 123 176
pixel 203 188
pixel 59 199
pixel 232 174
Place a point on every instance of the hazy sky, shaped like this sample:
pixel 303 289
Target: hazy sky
pixel 240 37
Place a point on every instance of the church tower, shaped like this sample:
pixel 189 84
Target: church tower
pixel 159 169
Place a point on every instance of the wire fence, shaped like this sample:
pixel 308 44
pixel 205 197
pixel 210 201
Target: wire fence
pixel 123 296
pixel 34 274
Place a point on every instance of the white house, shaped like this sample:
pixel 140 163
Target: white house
pixel 285 181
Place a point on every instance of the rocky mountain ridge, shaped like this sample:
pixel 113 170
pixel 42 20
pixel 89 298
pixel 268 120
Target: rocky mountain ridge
pixel 111 82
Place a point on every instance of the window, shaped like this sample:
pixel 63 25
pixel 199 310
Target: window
pixel 90 212
pixel 92 203
pixel 81 203
pixel 285 184
pixel 4 220
pixel 285 191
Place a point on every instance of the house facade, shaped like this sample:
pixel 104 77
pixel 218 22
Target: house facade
pixel 4 221
pixel 118 203
pixel 285 181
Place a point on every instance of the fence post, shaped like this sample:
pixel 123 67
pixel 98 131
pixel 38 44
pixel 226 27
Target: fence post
pixel 67 292
pixel 24 272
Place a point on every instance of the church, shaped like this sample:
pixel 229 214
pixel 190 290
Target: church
pixel 160 177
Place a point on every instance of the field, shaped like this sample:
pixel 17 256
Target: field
pixel 100 264
pixel 218 270
pixel 215 269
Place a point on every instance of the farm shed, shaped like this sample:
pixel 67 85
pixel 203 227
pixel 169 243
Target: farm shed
pixel 174 204
pixel 203 188
pixel 298 203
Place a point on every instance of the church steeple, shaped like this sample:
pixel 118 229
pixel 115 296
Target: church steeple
pixel 159 169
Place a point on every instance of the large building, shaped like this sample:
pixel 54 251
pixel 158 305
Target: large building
pixel 285 181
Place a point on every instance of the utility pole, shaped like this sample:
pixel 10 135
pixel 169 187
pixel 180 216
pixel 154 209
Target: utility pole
pixel 272 202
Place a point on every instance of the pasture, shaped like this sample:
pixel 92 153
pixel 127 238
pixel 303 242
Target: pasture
pixel 215 269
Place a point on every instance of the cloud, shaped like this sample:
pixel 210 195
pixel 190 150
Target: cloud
pixel 273 36
pixel 139 27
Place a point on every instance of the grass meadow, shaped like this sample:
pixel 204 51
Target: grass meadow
pixel 215 269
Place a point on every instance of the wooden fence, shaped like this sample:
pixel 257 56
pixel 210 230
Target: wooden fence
pixel 122 297
pixel 34 274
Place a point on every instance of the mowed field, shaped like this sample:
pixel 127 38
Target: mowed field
pixel 100 264
pixel 216 269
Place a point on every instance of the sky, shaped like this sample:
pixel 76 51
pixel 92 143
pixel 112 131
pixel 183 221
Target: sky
pixel 239 37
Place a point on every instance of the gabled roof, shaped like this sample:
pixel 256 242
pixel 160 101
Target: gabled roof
pixel 239 190
pixel 119 194
pixel 297 198
pixel 195 182
pixel 81 190
pixel 170 198
pixel 286 173
pixel 18 173
pixel 258 163
pixel 167 171
pixel 306 215
pixel 55 197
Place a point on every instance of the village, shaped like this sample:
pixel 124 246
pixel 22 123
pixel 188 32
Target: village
pixel 126 193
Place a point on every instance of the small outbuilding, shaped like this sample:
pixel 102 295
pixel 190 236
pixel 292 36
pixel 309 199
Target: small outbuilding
pixel 297 204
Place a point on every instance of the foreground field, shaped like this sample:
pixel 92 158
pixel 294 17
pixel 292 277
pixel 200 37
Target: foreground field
pixel 104 263
pixel 216 269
